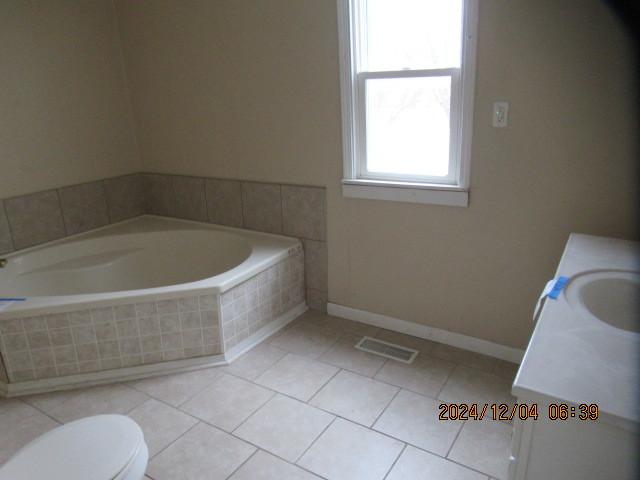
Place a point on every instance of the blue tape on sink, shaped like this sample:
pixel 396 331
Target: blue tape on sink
pixel 561 282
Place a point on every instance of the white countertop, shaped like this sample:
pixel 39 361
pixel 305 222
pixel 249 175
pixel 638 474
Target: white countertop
pixel 571 358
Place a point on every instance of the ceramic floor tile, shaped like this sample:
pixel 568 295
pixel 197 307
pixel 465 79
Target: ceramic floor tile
pixel 344 354
pixel 227 402
pixel 98 400
pixel 322 320
pixel 297 376
pixel 420 344
pixel 48 401
pixel 19 429
pixel 346 451
pixel 413 418
pixel 470 385
pixel 203 453
pixel 426 375
pixel 161 424
pixel 263 466
pixel 485 446
pixel 284 427
pixel 15 409
pixel 354 397
pixel 305 340
pixel 253 363
pixel 416 464
pixel 177 388
pixel 485 363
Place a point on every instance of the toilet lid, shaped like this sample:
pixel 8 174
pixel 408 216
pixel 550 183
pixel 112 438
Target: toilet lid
pixel 93 448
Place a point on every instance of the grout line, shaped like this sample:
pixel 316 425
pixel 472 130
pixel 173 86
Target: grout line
pixel 455 439
pixel 384 363
pixel 444 384
pixel 40 411
pixel 255 452
pixel 396 461
pixel 274 393
pixel 384 410
pixel 6 215
pixel 323 385
pixel 64 220
pixel 315 440
pixel 252 414
pixel 171 443
pixel 103 183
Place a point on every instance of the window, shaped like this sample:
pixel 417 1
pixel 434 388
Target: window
pixel 407 97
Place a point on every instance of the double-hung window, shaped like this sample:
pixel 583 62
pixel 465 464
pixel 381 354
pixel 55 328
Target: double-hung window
pixel 407 82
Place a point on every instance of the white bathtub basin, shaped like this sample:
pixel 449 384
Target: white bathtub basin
pixel 147 257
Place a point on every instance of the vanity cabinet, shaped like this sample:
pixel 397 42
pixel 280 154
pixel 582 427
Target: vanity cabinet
pixel 580 354
pixel 572 449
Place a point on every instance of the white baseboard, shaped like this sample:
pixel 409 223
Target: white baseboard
pixel 110 376
pixel 152 370
pixel 459 340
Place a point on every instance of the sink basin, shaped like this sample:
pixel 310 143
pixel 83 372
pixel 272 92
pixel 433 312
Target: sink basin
pixel 609 296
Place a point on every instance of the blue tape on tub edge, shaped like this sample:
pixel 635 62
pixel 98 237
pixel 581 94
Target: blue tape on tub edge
pixel 558 287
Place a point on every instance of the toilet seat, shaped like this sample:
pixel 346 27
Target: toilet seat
pixel 104 447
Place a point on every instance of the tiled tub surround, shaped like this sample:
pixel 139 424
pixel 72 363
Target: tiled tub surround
pixel 252 305
pixel 127 335
pixel 297 211
pixel 42 217
pixel 57 341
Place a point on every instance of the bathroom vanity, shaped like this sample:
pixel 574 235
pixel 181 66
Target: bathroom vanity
pixel 582 370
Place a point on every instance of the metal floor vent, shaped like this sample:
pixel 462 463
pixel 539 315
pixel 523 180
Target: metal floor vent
pixel 386 349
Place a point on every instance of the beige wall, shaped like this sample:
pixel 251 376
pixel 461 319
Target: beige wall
pixel 249 89
pixel 65 115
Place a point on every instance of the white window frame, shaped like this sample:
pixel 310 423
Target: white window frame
pixel 357 182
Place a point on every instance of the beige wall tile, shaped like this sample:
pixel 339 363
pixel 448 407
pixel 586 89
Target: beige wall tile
pixel 190 202
pixel 84 207
pixel 315 264
pixel 304 212
pixel 124 197
pixel 262 207
pixel 159 196
pixel 38 339
pixel 6 243
pixel 15 342
pixel 87 352
pixel 35 218
pixel 61 336
pixel 224 202
pixel 316 299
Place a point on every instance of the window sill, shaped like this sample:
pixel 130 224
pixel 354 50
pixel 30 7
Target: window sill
pixel 406 192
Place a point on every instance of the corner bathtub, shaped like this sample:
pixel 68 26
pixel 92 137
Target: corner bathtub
pixel 143 297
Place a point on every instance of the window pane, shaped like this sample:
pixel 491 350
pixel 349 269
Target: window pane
pixel 408 125
pixel 412 34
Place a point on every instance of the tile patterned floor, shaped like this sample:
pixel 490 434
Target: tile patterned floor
pixel 303 405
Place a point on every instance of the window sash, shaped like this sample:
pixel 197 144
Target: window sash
pixel 352 80
pixel 360 160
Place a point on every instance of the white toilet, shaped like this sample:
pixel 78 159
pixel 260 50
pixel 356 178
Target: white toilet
pixel 104 447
